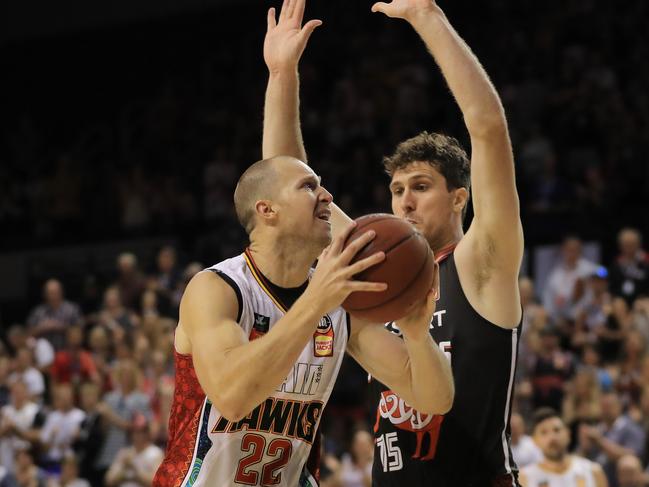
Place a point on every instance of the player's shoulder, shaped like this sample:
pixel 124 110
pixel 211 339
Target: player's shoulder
pixel 208 294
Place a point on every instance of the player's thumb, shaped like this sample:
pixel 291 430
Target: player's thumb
pixel 308 29
pixel 380 7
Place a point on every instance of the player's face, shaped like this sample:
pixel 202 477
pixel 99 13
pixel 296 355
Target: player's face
pixel 304 205
pixel 552 438
pixel 420 196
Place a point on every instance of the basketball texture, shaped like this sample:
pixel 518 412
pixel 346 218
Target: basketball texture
pixel 408 269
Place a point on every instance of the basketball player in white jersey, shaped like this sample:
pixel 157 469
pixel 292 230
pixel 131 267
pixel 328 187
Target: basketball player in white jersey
pixel 558 468
pixel 261 339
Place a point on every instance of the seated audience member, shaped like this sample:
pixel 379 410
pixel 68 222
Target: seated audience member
pixel 558 468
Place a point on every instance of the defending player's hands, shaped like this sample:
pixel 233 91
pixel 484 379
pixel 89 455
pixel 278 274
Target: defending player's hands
pixel 417 323
pixel 332 281
pixel 410 10
pixel 286 39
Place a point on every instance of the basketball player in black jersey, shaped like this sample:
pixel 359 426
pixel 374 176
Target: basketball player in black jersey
pixel 478 316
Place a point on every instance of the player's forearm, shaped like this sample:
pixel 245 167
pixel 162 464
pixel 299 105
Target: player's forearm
pixel 252 371
pixel 282 134
pixel 475 94
pixel 432 389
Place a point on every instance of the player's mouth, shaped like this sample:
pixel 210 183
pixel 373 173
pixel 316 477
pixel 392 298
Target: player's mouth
pixel 412 221
pixel 323 214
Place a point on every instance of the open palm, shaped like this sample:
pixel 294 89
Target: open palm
pixel 286 38
pixel 404 9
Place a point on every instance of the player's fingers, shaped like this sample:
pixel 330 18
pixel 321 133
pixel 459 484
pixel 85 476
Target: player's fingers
pixel 272 20
pixel 366 286
pixel 365 263
pixel 339 242
pixel 380 7
pixel 308 29
pixel 284 12
pixel 353 248
pixel 290 8
pixel 298 10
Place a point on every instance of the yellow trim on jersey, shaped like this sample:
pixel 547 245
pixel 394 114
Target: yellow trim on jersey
pixel 260 281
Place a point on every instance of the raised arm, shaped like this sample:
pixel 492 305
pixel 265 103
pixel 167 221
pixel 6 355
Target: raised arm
pixel 493 246
pixel 404 364
pixel 284 44
pixel 235 373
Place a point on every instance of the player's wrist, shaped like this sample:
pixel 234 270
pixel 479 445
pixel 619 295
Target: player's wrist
pixel 288 72
pixel 423 19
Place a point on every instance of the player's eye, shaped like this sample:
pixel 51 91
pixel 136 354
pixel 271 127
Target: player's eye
pixel 421 187
pixel 397 191
pixel 309 185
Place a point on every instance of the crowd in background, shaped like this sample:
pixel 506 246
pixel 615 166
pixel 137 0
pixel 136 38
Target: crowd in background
pixel 140 135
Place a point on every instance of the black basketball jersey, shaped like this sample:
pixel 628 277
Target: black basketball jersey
pixel 469 446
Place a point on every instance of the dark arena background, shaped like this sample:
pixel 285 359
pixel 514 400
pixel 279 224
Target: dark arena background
pixel 126 124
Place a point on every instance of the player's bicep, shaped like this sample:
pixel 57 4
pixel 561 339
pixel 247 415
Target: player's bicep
pixel 380 353
pixel 208 313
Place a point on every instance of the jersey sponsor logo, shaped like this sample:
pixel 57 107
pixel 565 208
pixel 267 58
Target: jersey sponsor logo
pixel 260 326
pixel 304 379
pixel 283 417
pixel 436 322
pixel 323 338
pixel 406 418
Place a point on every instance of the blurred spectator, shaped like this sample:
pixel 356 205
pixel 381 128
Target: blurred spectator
pixel 7 479
pixel 355 468
pixel 118 411
pixel 115 316
pixel 16 419
pixel 130 282
pixel 190 271
pixel 69 475
pixel 91 434
pixel 166 279
pixel 630 271
pixel 558 467
pixel 25 371
pixel 550 369
pixel 617 435
pixel 61 428
pixel 524 450
pixel 581 404
pixel 629 472
pixel 135 465
pixel 565 282
pixel 42 350
pixel 74 365
pixel 4 381
pixel 50 319
pixel 27 472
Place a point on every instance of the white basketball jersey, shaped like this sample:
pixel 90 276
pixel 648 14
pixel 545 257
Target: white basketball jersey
pixel 271 445
pixel 580 474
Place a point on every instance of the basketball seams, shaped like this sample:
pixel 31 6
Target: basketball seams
pixel 413 279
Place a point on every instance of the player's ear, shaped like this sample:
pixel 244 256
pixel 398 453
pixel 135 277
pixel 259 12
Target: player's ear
pixel 460 199
pixel 266 211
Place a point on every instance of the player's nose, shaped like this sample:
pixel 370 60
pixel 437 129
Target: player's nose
pixel 407 201
pixel 326 195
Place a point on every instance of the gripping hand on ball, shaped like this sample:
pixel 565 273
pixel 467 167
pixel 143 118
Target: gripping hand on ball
pixel 286 38
pixel 417 322
pixel 332 281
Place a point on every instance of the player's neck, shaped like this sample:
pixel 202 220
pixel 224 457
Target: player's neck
pixel 446 241
pixel 282 266
pixel 557 466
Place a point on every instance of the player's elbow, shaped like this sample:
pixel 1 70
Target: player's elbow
pixel 484 124
pixel 229 406
pixel 445 400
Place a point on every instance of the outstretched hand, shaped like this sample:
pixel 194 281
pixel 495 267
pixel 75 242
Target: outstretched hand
pixel 409 10
pixel 286 38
